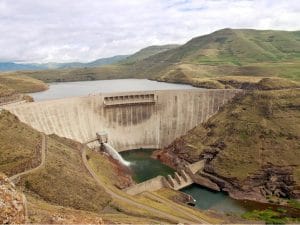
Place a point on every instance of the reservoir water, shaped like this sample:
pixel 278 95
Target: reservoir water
pixel 83 88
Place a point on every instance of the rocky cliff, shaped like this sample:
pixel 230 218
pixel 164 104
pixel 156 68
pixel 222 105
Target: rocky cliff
pixel 12 203
pixel 251 147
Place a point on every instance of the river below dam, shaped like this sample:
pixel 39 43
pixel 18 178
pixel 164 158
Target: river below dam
pixel 83 88
pixel 144 167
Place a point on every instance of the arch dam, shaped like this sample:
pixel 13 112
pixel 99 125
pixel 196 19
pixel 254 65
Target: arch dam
pixel 132 120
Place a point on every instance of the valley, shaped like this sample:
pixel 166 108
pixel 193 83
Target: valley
pixel 232 102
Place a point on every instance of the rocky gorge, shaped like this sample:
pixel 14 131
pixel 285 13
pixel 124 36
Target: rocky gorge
pixel 247 152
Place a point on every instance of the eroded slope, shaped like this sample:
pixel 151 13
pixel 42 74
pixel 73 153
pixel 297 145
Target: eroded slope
pixel 253 144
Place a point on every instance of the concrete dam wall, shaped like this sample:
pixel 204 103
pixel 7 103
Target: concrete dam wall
pixel 150 119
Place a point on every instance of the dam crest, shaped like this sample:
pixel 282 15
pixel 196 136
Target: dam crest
pixel 144 119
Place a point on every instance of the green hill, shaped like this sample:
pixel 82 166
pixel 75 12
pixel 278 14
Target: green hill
pixel 147 52
pixel 228 52
pixel 236 47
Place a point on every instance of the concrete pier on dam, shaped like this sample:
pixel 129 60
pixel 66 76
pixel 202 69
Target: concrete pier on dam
pixel 132 120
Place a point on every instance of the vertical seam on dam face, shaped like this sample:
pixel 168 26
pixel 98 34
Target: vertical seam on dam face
pixel 146 119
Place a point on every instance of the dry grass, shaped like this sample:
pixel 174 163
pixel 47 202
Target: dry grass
pixel 41 212
pixel 207 83
pixel 22 84
pixel 64 179
pixel 19 145
pixel 6 91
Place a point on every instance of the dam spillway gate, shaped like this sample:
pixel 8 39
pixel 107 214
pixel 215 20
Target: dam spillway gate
pixel 128 99
pixel 145 119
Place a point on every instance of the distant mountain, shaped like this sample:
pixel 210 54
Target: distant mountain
pixel 147 52
pixel 122 59
pixel 11 66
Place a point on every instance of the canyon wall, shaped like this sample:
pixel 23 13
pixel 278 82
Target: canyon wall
pixel 147 119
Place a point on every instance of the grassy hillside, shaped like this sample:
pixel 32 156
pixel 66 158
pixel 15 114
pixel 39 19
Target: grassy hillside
pixel 245 82
pixel 6 91
pixel 21 83
pixel 78 74
pixel 64 179
pixel 238 47
pixel 147 52
pixel 19 145
pixel 230 52
pixel 254 135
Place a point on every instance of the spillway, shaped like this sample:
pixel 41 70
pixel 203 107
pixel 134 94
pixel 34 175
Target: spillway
pixel 146 119
pixel 114 153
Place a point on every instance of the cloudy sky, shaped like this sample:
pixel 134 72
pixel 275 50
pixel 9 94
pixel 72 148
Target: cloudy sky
pixel 83 30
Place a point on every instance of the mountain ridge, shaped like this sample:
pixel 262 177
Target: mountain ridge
pixel 12 66
pixel 123 59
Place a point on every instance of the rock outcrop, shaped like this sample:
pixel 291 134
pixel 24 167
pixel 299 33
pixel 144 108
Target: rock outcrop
pixel 12 203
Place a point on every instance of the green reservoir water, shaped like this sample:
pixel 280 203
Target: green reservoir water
pixel 218 201
pixel 143 166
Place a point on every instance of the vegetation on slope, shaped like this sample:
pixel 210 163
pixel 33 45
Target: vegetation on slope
pixel 253 83
pixel 64 179
pixel 19 145
pixel 147 52
pixel 254 136
pixel 6 91
pixel 79 74
pixel 22 84
pixel 229 52
pixel 262 128
pixel 271 216
pixel 42 212
pixel 240 47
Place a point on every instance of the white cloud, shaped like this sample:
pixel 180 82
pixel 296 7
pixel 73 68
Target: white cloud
pixel 73 30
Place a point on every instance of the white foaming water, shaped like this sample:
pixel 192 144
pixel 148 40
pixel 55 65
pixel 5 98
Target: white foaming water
pixel 113 153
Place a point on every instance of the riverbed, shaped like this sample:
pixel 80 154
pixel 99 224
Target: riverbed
pixel 83 88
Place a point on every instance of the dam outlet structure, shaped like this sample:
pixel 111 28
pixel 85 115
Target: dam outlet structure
pixel 114 153
pixel 132 120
